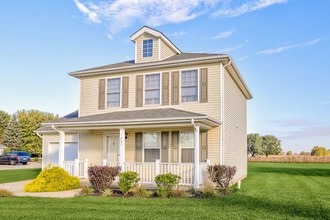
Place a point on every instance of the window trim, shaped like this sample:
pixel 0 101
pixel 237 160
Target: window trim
pixel 198 86
pixel 144 89
pixel 147 52
pixel 120 92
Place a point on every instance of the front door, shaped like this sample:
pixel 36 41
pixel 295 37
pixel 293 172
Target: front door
pixel 112 149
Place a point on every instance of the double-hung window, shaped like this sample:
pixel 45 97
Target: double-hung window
pixel 187 140
pixel 189 86
pixel 147 48
pixel 113 92
pixel 151 146
pixel 152 89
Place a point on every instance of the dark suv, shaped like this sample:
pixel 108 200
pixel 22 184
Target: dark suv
pixel 15 157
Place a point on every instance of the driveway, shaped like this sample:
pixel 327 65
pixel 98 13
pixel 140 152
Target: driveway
pixel 20 166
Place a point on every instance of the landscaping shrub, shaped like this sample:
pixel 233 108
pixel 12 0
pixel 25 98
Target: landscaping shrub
pixel 221 174
pixel 101 177
pixel 5 193
pixel 165 184
pixel 208 191
pixel 107 193
pixel 127 180
pixel 52 179
pixel 141 192
pixel 86 191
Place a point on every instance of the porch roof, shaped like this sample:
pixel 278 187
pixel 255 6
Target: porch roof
pixel 163 117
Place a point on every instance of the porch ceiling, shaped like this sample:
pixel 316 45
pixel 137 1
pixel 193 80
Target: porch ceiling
pixel 149 118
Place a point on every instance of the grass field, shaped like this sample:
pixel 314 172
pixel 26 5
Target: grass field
pixel 7 176
pixel 271 191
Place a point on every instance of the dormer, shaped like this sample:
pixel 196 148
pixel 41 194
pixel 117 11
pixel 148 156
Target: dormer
pixel 152 45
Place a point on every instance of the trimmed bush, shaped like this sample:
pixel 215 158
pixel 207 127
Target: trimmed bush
pixel 165 184
pixel 221 174
pixel 101 177
pixel 52 179
pixel 127 180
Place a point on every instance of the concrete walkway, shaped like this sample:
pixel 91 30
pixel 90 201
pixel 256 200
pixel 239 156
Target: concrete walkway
pixel 17 189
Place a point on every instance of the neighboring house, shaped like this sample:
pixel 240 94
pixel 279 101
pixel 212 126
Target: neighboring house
pixel 166 111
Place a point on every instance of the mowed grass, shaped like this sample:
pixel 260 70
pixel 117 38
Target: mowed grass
pixel 7 176
pixel 271 191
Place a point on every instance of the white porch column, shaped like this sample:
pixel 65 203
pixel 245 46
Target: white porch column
pixel 61 148
pixel 196 156
pixel 122 149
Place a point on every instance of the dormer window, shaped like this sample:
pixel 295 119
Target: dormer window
pixel 147 48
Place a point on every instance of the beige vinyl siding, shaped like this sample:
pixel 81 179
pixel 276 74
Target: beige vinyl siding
pixel 213 152
pixel 166 51
pixel 89 96
pixel 235 128
pixel 91 147
pixel 89 92
pixel 139 48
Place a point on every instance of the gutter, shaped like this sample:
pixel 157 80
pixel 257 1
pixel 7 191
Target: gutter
pixel 222 117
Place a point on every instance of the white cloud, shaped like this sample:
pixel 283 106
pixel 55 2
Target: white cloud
pixel 119 14
pixel 92 16
pixel 247 8
pixel 289 47
pixel 242 58
pixel 234 48
pixel 224 34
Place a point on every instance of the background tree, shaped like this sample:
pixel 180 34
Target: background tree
pixel 271 145
pixel 4 120
pixel 290 153
pixel 319 151
pixel 29 122
pixel 13 135
pixel 253 144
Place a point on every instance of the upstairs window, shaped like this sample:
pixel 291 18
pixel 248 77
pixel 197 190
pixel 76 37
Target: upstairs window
pixel 147 48
pixel 152 89
pixel 113 92
pixel 189 86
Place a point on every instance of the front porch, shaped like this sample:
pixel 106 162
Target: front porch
pixel 147 170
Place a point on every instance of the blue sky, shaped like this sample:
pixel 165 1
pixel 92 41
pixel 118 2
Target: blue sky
pixel 281 47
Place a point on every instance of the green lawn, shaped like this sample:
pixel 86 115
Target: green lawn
pixel 271 191
pixel 7 176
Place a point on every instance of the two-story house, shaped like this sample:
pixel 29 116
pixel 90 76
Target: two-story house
pixel 166 111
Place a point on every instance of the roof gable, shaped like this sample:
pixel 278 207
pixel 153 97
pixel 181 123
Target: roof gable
pixel 162 47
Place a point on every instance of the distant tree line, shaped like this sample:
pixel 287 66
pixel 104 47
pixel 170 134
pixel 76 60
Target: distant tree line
pixel 271 145
pixel 17 131
pixel 263 145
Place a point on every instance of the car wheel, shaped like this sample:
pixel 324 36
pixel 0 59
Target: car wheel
pixel 24 163
pixel 12 162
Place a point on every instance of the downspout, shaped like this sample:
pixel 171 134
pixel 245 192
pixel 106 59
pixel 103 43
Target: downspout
pixel 222 117
pixel 61 147
pixel 42 147
pixel 196 154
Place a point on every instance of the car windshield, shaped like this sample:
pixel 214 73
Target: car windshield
pixel 23 154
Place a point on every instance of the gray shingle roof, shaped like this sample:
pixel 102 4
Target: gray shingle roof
pixel 178 58
pixel 127 117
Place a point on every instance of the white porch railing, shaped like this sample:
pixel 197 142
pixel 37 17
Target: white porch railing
pixel 76 168
pixel 149 170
